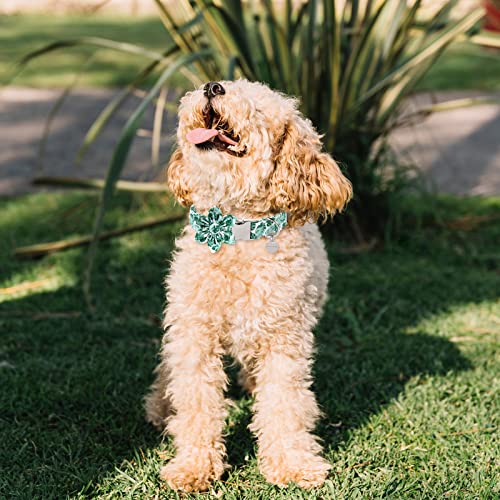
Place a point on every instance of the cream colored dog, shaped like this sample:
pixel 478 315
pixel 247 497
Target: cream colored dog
pixel 248 151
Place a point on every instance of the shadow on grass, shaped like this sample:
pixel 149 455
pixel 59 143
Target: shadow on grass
pixel 72 383
pixel 72 387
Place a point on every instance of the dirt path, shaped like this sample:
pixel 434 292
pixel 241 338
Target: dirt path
pixel 23 113
pixel 458 151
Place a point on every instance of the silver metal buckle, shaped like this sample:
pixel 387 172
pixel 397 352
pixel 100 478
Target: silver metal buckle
pixel 241 230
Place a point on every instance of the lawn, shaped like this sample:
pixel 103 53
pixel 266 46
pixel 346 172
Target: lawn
pixel 22 34
pixel 406 372
pixel 465 66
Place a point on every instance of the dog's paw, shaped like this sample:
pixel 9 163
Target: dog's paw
pixel 306 470
pixel 194 472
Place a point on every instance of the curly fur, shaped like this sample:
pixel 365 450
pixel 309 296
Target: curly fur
pixel 258 307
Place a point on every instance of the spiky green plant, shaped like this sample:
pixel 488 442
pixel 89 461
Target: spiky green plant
pixel 351 63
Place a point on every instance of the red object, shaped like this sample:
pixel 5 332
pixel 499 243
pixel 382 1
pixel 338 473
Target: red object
pixel 492 17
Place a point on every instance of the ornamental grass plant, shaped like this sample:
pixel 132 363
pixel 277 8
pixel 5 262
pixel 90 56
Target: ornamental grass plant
pixel 351 63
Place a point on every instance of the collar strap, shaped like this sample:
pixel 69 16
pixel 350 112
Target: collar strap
pixel 214 229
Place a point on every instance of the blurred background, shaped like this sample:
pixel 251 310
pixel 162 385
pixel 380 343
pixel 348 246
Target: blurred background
pixel 456 149
pixel 407 95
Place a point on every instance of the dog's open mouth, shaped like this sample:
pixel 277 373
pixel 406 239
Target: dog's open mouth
pixel 216 134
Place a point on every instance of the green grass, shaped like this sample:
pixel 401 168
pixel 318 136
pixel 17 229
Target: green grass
pixel 406 372
pixel 22 34
pixel 465 66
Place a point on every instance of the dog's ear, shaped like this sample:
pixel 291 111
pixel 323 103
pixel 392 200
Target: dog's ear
pixel 177 178
pixel 306 183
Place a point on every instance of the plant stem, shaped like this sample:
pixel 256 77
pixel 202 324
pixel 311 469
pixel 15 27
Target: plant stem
pixel 34 251
pixel 149 187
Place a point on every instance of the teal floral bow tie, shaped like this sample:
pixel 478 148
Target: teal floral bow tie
pixel 214 229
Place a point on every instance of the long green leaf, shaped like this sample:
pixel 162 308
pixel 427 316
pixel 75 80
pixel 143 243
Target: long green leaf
pixel 78 182
pixel 182 36
pixel 218 33
pixel 104 43
pixel 381 41
pixel 357 54
pixel 55 109
pixel 333 52
pixel 231 67
pixel 439 43
pixel 157 127
pixel 114 105
pixel 487 39
pixel 295 24
pixel 466 102
pixel 308 56
pixel 262 61
pixel 277 40
pixel 120 155
pixel 40 250
pixel 240 42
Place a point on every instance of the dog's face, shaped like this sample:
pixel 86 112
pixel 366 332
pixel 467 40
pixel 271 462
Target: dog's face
pixel 248 150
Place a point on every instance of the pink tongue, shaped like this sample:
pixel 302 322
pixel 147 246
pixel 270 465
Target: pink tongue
pixel 199 135
pixel 226 139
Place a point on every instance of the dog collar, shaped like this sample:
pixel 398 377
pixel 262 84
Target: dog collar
pixel 214 229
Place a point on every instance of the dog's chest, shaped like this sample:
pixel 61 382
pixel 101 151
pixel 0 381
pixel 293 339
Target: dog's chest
pixel 260 288
pixel 243 288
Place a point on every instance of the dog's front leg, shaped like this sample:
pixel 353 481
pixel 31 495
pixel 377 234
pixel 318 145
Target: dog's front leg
pixel 196 383
pixel 285 414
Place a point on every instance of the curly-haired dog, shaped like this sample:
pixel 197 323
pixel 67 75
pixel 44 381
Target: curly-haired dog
pixel 248 151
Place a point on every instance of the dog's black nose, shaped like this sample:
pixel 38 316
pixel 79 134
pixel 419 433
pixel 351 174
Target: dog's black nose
pixel 211 89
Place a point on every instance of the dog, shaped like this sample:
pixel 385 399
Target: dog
pixel 248 278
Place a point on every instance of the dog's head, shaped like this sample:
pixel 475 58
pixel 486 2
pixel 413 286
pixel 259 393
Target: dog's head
pixel 248 150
